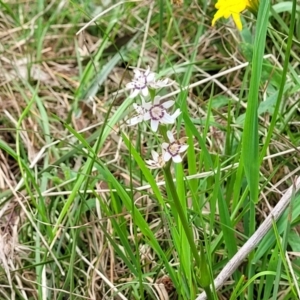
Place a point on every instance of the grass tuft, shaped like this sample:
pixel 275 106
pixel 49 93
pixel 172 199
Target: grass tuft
pixel 82 216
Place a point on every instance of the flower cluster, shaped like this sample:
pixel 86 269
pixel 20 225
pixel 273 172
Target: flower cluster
pixel 142 81
pixel 155 111
pixel 227 8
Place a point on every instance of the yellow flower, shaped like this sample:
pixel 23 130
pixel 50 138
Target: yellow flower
pixel 227 8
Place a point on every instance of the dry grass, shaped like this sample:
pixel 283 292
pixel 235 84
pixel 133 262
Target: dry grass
pixel 57 87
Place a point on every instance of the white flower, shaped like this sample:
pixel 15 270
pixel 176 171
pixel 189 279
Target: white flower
pixel 140 114
pixel 173 149
pixel 141 82
pixel 158 84
pixel 157 161
pixel 156 112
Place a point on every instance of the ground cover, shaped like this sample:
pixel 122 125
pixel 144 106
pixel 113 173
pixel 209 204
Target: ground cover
pixel 149 149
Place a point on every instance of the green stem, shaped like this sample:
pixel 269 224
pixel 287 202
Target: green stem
pixel 187 229
pixel 208 293
pixel 184 222
pixel 283 80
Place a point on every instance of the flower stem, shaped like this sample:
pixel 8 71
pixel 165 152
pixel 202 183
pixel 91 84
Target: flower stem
pixel 184 222
pixel 208 292
pixel 182 216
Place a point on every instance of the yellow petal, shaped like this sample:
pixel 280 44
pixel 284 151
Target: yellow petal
pixel 237 21
pixel 227 8
pixel 217 16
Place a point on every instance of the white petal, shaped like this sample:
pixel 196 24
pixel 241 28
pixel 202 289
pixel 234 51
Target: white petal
pixel 176 113
pixel 137 107
pixel 164 82
pixel 130 85
pixel 145 92
pixel 135 120
pixel 183 148
pixel 170 136
pixel 137 72
pixel 177 159
pixel 155 155
pixel 165 145
pixel 167 119
pixel 156 100
pixel 150 77
pixel 134 93
pixel 161 83
pixel 147 116
pixel 147 70
pixel 155 166
pixel 150 162
pixel 147 105
pixel 168 104
pixel 154 125
pixel 167 156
